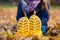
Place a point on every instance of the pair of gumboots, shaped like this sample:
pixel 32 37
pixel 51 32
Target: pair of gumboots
pixel 30 26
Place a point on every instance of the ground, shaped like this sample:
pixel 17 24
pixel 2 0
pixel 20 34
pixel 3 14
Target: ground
pixel 8 16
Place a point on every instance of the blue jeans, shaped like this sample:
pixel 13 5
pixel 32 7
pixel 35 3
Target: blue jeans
pixel 44 29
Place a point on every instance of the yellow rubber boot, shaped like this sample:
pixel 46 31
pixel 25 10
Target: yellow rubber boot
pixel 35 25
pixel 23 26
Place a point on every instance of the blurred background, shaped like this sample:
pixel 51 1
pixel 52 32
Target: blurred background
pixel 8 10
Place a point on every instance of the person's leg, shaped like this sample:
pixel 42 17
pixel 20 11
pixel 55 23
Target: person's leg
pixel 19 12
pixel 44 25
pixel 44 29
